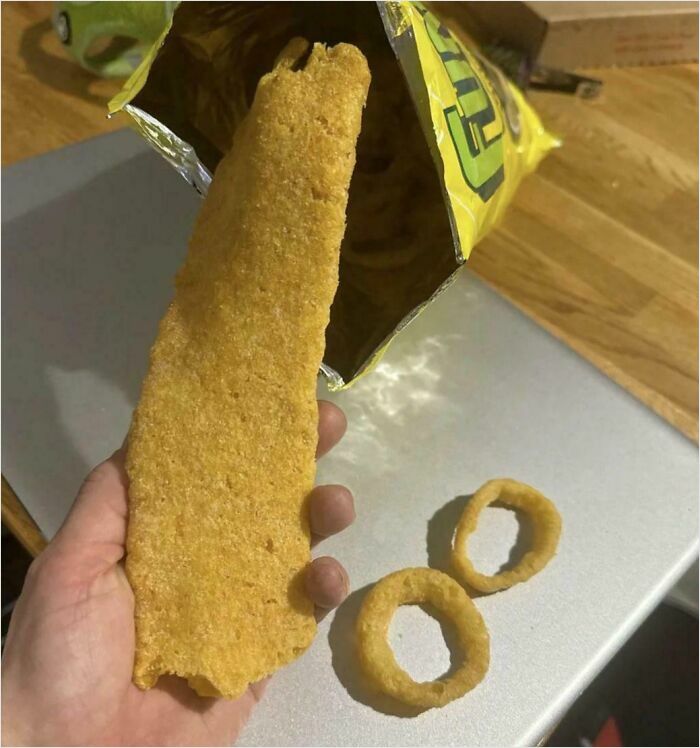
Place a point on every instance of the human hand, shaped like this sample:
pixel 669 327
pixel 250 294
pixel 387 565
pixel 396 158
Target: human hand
pixel 69 652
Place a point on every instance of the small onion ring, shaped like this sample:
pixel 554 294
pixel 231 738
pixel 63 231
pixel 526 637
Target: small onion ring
pixel 411 586
pixel 546 524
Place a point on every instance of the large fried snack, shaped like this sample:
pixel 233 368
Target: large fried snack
pixel 221 449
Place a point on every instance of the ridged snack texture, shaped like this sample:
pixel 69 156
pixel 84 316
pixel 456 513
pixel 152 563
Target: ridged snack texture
pixel 222 444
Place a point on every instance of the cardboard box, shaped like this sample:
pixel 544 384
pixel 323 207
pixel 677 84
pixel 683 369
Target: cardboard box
pixel 570 35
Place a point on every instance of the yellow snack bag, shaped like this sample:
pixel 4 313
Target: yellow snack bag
pixel 446 139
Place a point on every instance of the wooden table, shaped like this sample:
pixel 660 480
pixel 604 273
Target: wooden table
pixel 600 245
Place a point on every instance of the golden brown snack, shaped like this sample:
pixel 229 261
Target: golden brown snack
pixel 410 586
pixel 221 449
pixel 546 524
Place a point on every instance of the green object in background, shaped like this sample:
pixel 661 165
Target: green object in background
pixel 110 39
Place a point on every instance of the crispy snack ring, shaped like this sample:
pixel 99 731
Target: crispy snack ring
pixel 410 586
pixel 546 531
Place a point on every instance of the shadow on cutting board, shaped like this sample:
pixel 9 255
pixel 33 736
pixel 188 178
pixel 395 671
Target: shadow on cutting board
pixel 86 279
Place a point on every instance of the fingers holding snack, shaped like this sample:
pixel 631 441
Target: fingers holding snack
pixel 331 427
pixel 331 510
pixel 327 584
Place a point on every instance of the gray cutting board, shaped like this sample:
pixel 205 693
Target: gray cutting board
pixel 472 390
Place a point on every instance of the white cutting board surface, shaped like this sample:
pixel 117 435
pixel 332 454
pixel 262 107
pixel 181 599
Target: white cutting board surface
pixel 472 390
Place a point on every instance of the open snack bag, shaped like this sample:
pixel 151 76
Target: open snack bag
pixel 445 140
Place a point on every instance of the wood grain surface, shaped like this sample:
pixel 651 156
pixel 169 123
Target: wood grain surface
pixel 600 245
pixel 48 100
pixel 18 521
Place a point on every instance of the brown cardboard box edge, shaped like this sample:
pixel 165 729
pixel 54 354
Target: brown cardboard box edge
pixel 570 35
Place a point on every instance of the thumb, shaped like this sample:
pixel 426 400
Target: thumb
pixel 94 532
